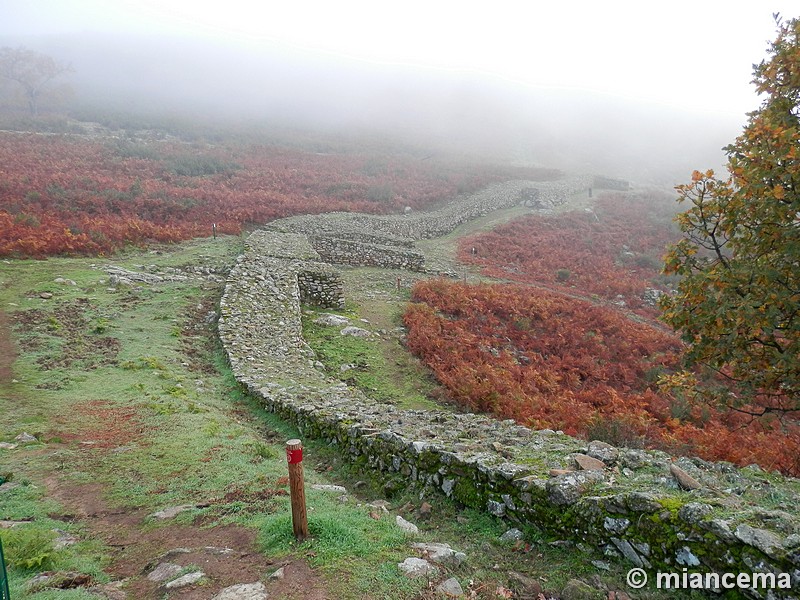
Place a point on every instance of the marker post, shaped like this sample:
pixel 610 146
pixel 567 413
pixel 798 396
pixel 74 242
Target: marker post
pixel 297 492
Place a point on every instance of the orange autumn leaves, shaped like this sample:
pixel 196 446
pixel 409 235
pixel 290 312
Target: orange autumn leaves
pixel 550 361
pixel 71 195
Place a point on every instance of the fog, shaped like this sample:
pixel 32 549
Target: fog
pixel 647 93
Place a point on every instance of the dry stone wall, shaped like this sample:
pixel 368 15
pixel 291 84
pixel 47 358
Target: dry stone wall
pixel 386 241
pixel 363 253
pixel 638 505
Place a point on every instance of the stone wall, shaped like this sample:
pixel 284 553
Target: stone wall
pixel 358 253
pixel 607 183
pixel 387 241
pixel 640 505
pixel 320 285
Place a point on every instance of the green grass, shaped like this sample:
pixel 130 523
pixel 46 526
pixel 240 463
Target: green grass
pixel 187 433
pixel 380 367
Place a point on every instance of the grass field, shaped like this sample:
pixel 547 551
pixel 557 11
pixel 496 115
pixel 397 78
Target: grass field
pixel 134 410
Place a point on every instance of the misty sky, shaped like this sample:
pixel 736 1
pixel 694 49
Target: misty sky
pixel 696 54
pixel 586 83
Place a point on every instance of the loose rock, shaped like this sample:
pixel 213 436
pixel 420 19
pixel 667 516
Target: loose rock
pixel 164 571
pixel 172 512
pixel 450 588
pixel 243 591
pixel 184 580
pixel 512 535
pixel 587 463
pixel 578 590
pixel 441 554
pixel 405 525
pixel 417 567
pixel 685 480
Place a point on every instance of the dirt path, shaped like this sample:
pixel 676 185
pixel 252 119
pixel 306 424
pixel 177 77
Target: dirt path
pixel 136 543
pixel 227 555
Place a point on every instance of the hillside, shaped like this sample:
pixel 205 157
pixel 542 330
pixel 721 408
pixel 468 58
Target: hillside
pixel 132 406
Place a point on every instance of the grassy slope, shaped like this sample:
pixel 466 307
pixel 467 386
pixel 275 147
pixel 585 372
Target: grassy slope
pixel 163 423
pixel 160 427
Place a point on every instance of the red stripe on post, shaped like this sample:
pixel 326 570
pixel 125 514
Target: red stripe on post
pixel 294 456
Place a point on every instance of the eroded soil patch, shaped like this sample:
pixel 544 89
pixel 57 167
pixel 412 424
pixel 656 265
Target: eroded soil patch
pixel 226 554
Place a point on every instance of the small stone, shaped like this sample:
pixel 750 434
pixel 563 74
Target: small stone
pixel 557 472
pixel 450 588
pixel 602 451
pixel 356 332
pixel 184 580
pixel 171 512
pixel 243 591
pixel 766 541
pixel 441 553
pixel 7 446
pixel 8 486
pixel 530 587
pixel 567 489
pixel 406 526
pixel 25 438
pixel 417 567
pixel 685 556
pixel 601 564
pixel 110 591
pixel 512 535
pixel 425 511
pixel 279 574
pixel 164 571
pixel 617 526
pixel 329 488
pixel 331 320
pixel 694 512
pixel 578 590
pixel 685 480
pixel 587 463
pixel 64 539
pixel 624 546
pixel 45 295
pixel 217 551
pixel 498 509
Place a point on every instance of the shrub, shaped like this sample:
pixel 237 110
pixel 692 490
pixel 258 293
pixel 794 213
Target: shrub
pixel 563 274
pixel 28 547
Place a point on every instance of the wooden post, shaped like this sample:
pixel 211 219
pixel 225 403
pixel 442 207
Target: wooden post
pixel 297 492
pixel 214 230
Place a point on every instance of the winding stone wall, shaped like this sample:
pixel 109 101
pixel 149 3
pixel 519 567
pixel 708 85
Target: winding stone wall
pixel 614 501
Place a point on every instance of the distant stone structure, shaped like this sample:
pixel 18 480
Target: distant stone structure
pixel 607 183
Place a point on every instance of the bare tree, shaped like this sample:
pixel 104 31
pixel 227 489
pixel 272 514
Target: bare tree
pixel 32 71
